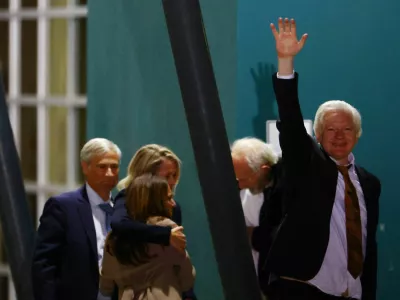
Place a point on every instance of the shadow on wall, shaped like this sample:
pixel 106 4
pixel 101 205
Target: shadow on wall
pixel 266 104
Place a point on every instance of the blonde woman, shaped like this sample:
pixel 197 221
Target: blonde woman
pixel 161 161
pixel 140 270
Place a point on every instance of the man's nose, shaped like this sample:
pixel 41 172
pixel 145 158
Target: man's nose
pixel 339 134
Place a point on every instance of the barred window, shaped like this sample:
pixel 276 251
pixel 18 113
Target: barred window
pixel 43 65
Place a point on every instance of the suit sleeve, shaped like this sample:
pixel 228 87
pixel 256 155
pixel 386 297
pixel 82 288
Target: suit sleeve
pixel 263 235
pixel 294 140
pixel 272 209
pixel 177 214
pixel 369 277
pixel 48 251
pixel 260 239
pixel 122 224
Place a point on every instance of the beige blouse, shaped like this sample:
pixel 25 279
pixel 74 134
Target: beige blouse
pixel 166 275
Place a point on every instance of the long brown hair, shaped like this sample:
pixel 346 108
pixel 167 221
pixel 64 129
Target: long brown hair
pixel 146 197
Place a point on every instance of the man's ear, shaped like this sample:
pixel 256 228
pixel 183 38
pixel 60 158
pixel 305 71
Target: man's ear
pixel 318 137
pixel 85 167
pixel 265 167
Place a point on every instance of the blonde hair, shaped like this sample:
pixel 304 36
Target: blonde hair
pixel 335 105
pixel 148 160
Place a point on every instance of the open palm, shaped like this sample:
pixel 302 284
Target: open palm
pixel 287 44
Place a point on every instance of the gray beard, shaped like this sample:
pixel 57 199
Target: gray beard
pixel 261 187
pixel 256 191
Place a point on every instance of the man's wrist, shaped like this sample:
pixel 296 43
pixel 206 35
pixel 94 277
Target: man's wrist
pixel 285 66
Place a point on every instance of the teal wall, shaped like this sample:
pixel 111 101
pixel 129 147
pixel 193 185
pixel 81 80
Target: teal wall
pixel 352 53
pixel 134 99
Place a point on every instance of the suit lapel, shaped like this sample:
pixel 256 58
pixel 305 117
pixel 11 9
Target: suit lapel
pixel 85 213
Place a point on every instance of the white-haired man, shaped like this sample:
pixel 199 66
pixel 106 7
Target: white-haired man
pixel 325 248
pixel 258 174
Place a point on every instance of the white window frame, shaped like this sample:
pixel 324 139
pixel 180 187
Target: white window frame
pixel 42 100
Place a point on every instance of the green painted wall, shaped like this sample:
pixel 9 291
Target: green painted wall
pixel 134 99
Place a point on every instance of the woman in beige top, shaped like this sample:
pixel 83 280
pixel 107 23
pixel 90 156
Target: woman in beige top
pixel 146 271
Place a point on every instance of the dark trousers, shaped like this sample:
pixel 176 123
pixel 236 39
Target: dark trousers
pixel 293 290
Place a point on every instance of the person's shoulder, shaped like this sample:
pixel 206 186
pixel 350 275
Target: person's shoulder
pixel 121 195
pixel 69 197
pixel 64 203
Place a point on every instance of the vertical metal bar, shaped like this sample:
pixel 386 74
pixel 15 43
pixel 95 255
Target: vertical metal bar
pixel 14 91
pixel 211 149
pixel 14 53
pixel 72 77
pixel 42 92
pixel 14 212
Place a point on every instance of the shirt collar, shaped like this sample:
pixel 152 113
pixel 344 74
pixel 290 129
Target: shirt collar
pixel 94 198
pixel 350 158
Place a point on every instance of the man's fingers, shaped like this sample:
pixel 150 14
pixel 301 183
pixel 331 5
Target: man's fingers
pixel 177 228
pixel 286 25
pixel 293 27
pixel 280 25
pixel 274 31
pixel 303 40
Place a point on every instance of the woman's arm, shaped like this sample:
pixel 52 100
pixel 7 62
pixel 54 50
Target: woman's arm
pixel 122 224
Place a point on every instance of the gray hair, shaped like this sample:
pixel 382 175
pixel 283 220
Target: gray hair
pixel 254 151
pixel 96 147
pixel 333 105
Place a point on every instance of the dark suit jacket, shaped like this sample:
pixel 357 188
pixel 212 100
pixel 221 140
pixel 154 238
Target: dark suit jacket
pixel 65 261
pixel 123 225
pixel 310 186
pixel 271 213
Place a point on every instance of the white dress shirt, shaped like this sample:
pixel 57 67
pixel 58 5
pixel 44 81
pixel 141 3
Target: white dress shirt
pixel 333 278
pixel 99 219
pixel 251 204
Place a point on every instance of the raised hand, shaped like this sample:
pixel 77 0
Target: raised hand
pixel 287 45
